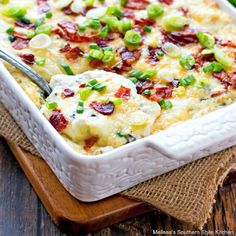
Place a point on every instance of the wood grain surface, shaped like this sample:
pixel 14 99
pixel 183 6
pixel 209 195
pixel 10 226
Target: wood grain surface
pixel 21 212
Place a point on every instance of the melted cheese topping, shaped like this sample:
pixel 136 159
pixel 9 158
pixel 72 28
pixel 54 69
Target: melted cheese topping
pixel 134 116
pixel 188 102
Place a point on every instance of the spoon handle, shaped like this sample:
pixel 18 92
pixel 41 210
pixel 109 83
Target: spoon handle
pixel 35 77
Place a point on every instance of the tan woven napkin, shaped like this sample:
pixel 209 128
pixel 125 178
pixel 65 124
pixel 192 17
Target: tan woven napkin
pixel 187 193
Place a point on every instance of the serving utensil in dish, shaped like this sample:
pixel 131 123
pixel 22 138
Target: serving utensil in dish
pixel 35 77
pixel 91 178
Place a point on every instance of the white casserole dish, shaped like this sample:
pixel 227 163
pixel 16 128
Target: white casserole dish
pixel 91 178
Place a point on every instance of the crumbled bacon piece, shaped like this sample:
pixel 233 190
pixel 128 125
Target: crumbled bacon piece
pixel 66 48
pixel 152 55
pixel 200 59
pixel 143 22
pixel 128 14
pixel 218 93
pixel 20 44
pixel 58 120
pixel 137 5
pixel 184 10
pixel 142 85
pixel 123 92
pixel 167 2
pixel 68 27
pixel 103 108
pixel 95 63
pixel 67 11
pixel 226 79
pixel 20 36
pixel 29 26
pixel 226 43
pixel 29 59
pixel 88 143
pixel 182 38
pixel 101 43
pixel 74 53
pixel 68 31
pixel 164 92
pixel 67 93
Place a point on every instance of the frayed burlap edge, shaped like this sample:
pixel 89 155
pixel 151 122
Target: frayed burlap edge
pixel 187 193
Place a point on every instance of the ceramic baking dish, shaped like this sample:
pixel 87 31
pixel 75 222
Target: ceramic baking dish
pixel 91 178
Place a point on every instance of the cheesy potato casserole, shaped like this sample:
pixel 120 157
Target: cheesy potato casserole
pixel 121 70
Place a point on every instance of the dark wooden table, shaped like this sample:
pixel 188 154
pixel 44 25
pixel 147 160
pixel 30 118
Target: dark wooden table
pixel 22 214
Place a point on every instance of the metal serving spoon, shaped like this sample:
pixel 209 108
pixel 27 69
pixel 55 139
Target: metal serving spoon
pixel 35 77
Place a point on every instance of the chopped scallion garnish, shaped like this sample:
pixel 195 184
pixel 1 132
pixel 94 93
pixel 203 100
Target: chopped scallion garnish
pixel 147 29
pixel 40 61
pixel 67 69
pixel 51 105
pixel 165 104
pixel 155 11
pixel 133 37
pixel 189 80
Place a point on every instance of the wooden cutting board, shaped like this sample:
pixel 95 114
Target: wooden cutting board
pixel 69 214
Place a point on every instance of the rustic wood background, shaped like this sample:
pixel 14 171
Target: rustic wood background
pixel 22 214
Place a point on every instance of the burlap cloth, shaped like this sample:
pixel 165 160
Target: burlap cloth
pixel 187 193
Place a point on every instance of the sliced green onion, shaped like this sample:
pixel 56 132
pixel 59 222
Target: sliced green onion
pixel 206 40
pixel 203 82
pixel 25 20
pixel 14 12
pixel 123 2
pixel 44 29
pixel 147 29
pixel 132 37
pixel 30 34
pixel 213 67
pixel 108 57
pixel 48 15
pixel 99 87
pixel 82 27
pixel 142 75
pixel 171 50
pixel 94 46
pixel 222 58
pixel 84 93
pixel 187 62
pixel 10 30
pixel 67 69
pixel 147 92
pixel 80 107
pixel 51 105
pixel 107 48
pixel 121 134
pixel 117 102
pixel 39 22
pixel 111 21
pixel 114 11
pixel 124 26
pixel 96 54
pixel 133 80
pixel 93 23
pixel 160 53
pixel 155 11
pixel 40 61
pixel 4 1
pixel 104 32
pixel 174 22
pixel 166 105
pixel 95 85
pixel 189 80
pixel 89 3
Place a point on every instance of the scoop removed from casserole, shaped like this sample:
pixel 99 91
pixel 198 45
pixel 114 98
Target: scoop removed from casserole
pixel 99 110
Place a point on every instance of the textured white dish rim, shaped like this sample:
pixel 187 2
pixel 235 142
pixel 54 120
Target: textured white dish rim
pixel 146 140
pixel 183 142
